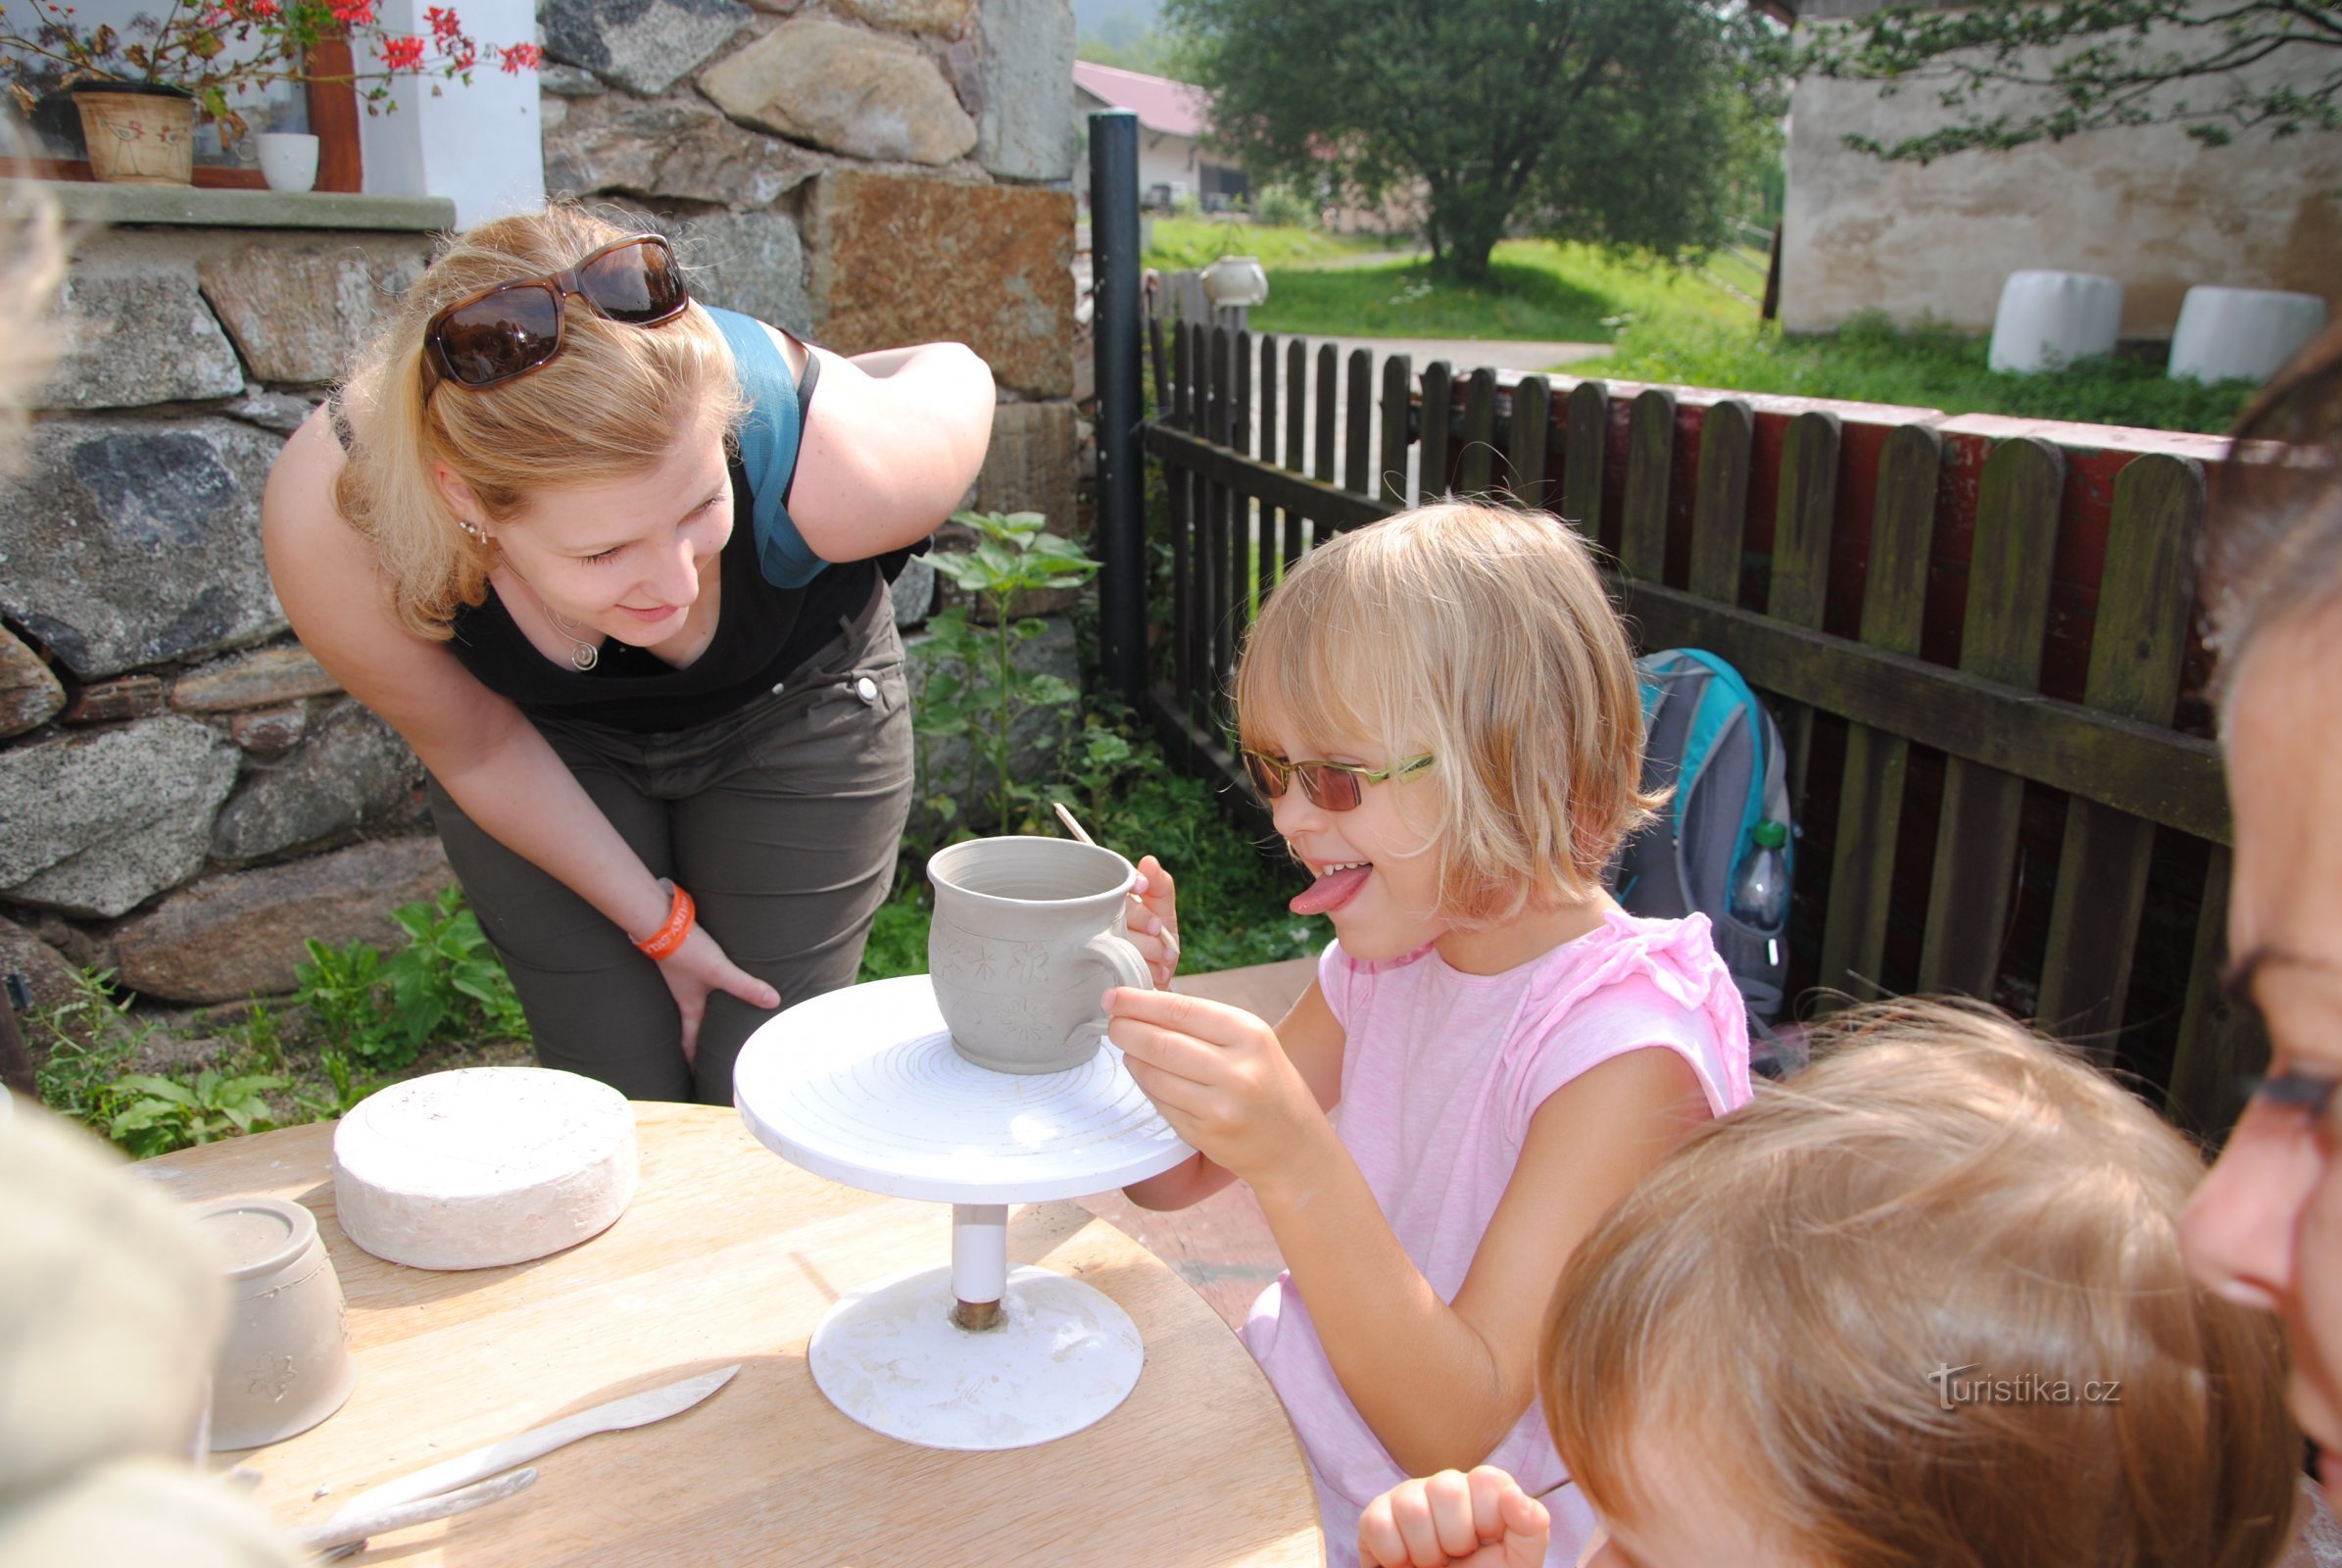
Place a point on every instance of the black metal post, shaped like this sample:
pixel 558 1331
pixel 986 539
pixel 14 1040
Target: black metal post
pixel 1114 336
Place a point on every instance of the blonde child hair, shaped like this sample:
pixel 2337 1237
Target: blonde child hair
pixel 1462 630
pixel 1858 1298
pixel 611 406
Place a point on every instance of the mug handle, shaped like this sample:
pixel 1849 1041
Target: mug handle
pixel 1129 968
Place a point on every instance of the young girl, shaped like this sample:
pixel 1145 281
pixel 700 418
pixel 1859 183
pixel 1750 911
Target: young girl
pixel 1443 713
pixel 1924 1305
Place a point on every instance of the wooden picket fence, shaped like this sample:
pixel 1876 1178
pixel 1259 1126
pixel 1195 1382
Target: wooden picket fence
pixel 1977 635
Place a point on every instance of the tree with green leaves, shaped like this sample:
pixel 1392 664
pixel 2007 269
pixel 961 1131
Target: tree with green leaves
pixel 2215 67
pixel 1632 124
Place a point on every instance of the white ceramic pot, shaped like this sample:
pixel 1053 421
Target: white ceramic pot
pixel 288 160
pixel 286 1365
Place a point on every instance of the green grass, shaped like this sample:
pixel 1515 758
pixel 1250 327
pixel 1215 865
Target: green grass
pixel 1185 244
pixel 1872 361
pixel 1535 289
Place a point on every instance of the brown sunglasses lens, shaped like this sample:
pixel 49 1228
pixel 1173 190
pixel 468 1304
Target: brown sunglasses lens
pixel 1329 788
pixel 501 335
pixel 637 285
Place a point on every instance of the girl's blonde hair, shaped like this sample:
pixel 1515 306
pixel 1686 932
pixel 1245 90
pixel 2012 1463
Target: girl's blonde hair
pixel 1483 636
pixel 611 406
pixel 1926 1303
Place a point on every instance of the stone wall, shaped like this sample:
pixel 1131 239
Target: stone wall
pixel 184 794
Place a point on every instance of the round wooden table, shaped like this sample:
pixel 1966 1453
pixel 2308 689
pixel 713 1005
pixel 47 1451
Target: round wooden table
pixel 729 1254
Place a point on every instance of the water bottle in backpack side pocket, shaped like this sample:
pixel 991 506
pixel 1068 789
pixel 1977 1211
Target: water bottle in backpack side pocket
pixel 1761 886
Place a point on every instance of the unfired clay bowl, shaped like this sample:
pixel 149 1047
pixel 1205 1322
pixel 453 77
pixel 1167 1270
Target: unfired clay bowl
pixel 286 1365
pixel 1027 932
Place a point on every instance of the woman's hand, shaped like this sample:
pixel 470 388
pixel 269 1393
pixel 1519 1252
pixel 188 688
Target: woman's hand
pixel 1154 920
pixel 1480 1520
pixel 700 966
pixel 1222 1080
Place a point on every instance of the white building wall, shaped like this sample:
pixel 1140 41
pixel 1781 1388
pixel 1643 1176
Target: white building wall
pixel 480 145
pixel 2147 206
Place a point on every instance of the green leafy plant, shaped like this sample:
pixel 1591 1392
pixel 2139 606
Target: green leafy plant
pixel 974 687
pixel 377 1014
pixel 84 1044
pixel 160 1113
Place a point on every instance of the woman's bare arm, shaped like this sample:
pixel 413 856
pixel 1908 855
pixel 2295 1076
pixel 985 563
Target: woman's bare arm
pixel 892 439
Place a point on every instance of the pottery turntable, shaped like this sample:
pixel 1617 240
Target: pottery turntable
pixel 863 1086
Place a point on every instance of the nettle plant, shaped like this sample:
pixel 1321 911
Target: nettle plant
pixel 974 686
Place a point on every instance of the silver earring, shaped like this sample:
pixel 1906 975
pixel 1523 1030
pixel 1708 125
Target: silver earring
pixel 473 530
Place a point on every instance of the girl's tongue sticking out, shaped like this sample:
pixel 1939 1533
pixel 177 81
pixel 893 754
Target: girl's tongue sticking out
pixel 1335 887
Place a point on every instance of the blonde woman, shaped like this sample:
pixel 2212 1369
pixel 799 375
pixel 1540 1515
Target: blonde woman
pixel 1924 1304
pixel 610 561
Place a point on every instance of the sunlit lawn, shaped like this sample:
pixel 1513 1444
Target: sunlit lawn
pixel 1673 325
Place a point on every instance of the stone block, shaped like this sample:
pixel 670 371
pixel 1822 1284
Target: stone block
pixel 271 732
pixel 280 412
pixel 752 263
pixel 48 975
pixel 240 933
pixel 645 46
pixel 139 333
pixel 299 311
pixel 1027 128
pixel 97 824
pixel 111 700
pixel 125 543
pixel 913 594
pixel 949 18
pixel 1031 462
pixel 864 94
pixel 29 694
pixel 262 679
pixel 898 259
pixel 676 149
pixel 352 770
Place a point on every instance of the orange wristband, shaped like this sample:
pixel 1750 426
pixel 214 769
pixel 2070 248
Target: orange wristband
pixel 660 944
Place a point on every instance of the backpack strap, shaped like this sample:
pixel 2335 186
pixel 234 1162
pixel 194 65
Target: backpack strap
pixel 769 443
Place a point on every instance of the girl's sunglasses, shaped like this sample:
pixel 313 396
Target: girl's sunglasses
pixel 1330 786
pixel 516 327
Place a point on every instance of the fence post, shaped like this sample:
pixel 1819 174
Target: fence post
pixel 1121 480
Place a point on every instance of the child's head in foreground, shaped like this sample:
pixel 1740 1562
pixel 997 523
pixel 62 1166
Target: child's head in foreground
pixel 1925 1303
pixel 1482 638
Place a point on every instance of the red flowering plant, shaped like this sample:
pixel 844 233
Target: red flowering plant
pixel 217 50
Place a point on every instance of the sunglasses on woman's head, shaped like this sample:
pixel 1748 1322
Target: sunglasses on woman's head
pixel 516 327
pixel 1330 786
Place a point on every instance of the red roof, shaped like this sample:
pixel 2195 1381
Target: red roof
pixel 1161 104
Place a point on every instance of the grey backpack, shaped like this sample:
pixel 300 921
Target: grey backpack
pixel 1710 739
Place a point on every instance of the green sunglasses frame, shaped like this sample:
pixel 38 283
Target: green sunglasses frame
pixel 1284 772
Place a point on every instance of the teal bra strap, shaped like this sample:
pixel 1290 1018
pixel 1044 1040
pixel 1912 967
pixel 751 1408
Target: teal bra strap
pixel 768 442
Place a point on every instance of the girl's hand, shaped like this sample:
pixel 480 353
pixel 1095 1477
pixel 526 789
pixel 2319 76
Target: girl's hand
pixel 1154 919
pixel 700 966
pixel 1482 1520
pixel 1220 1077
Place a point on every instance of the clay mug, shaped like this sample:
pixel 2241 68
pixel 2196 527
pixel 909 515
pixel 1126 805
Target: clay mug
pixel 1027 933
pixel 286 1365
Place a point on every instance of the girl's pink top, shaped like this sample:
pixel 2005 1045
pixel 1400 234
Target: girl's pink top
pixel 1441 1073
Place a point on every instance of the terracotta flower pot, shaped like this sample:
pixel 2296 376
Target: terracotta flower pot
pixel 137 134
